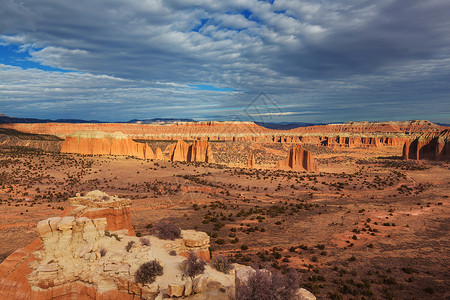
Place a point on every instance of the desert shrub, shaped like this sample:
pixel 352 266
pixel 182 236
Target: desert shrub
pixel 221 264
pixel 129 246
pixel 173 253
pixel 103 252
pixel 167 230
pixel 114 235
pixel 263 285
pixel 148 271
pixel 194 266
pixel 144 241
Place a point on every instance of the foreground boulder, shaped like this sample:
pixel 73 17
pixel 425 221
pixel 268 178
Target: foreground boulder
pixel 298 159
pixel 432 146
pixel 199 151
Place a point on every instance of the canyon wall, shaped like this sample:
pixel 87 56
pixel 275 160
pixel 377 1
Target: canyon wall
pixel 298 159
pixel 432 146
pixel 351 134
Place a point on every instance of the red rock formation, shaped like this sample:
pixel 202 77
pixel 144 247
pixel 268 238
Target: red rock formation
pixel 384 133
pixel 14 269
pixel 251 161
pixel 366 142
pixel 433 146
pixel 97 142
pixel 199 151
pixel 179 151
pixel 298 159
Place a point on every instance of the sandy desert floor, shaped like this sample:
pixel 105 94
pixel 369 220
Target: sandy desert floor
pixel 369 225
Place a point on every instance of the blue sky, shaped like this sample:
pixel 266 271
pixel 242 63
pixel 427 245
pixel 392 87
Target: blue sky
pixel 316 61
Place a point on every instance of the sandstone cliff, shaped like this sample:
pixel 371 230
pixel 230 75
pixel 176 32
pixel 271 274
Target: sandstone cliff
pixel 298 159
pixel 199 151
pixel 433 146
pixel 98 142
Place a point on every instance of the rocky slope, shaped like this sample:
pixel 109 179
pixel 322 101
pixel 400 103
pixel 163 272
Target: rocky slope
pixel 14 138
pixel 298 159
pixel 433 146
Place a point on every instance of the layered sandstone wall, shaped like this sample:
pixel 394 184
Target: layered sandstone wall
pixel 238 131
pixel 102 143
pixel 433 146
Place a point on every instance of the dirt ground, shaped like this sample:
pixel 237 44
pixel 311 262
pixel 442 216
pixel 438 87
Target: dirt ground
pixel 368 226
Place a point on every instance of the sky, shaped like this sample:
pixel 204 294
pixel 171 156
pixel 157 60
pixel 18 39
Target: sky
pixel 269 61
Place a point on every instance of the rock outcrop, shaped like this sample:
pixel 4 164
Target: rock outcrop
pixel 251 161
pixel 14 269
pixel 98 142
pixel 298 159
pixel 432 146
pixel 76 257
pixel 199 151
pixel 96 204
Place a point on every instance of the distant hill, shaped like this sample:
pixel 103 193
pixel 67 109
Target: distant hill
pixel 7 119
pixel 159 120
pixel 287 125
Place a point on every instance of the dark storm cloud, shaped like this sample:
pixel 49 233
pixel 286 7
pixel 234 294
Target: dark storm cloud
pixel 319 60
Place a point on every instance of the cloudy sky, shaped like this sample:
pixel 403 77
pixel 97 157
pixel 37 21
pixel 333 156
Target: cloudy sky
pixel 281 60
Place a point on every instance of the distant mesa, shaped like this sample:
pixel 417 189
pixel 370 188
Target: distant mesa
pixel 298 159
pixel 102 143
pixel 160 121
pixel 432 146
pixel 199 151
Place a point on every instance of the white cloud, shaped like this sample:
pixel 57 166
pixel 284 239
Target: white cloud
pixel 303 52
